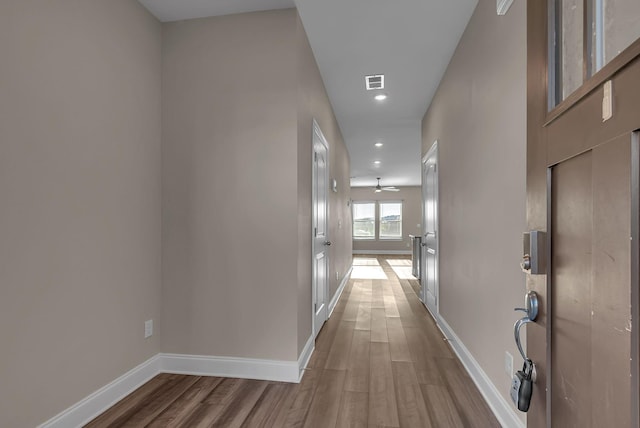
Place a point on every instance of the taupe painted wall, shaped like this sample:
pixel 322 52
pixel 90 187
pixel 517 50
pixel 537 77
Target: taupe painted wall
pixel 411 198
pixel 313 103
pixel 478 117
pixel 237 185
pixel 87 145
pixel 80 159
pixel 230 186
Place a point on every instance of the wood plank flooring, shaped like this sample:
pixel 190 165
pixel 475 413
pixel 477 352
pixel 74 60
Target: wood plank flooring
pixel 380 361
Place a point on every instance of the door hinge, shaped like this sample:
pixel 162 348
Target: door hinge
pixel 315 308
pixel 315 232
pixel 315 156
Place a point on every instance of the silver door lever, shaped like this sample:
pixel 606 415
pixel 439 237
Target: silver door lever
pixel 531 311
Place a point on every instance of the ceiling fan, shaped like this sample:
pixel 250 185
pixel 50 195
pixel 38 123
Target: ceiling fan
pixel 379 188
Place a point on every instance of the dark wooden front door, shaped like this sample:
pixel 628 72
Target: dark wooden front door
pixel 582 185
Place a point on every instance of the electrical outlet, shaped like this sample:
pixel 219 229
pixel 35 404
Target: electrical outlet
pixel 148 328
pixel 508 364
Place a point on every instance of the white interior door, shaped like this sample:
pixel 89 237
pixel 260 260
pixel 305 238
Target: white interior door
pixel 320 236
pixel 429 274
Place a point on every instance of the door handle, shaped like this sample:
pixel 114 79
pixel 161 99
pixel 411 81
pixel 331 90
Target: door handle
pixel 531 313
pixel 522 382
pixel 327 243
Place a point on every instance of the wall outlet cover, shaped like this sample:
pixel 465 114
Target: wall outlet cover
pixel 148 328
pixel 508 364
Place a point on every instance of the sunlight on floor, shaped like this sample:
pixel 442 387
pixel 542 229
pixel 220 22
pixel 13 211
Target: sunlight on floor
pixel 402 268
pixel 365 261
pixel 399 262
pixel 367 268
pixel 368 272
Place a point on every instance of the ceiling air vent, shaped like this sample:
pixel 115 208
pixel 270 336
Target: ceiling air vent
pixel 375 81
pixel 502 6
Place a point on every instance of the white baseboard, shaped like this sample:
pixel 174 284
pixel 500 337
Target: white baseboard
pixel 243 368
pixel 503 410
pixel 381 252
pixel 285 371
pixel 336 297
pixel 246 368
pixel 90 407
pixel 305 356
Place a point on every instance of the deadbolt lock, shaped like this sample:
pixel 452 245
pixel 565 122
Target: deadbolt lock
pixel 534 252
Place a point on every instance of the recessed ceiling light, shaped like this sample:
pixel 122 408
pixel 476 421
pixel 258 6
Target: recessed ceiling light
pixel 378 144
pixel 380 97
pixel 377 162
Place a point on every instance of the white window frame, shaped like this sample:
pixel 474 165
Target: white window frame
pixel 375 221
pixel 379 220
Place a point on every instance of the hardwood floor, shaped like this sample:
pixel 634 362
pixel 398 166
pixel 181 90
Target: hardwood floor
pixel 380 361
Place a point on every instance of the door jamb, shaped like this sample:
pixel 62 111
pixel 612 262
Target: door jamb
pixel 635 277
pixel 549 303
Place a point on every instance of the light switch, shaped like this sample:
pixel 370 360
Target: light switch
pixel 607 101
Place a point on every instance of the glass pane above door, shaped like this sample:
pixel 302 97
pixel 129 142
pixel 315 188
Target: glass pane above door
pixel 572 47
pixel 586 35
pixel 616 25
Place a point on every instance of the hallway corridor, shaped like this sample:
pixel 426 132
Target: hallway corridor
pixel 380 361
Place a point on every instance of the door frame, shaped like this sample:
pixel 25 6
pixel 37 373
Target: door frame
pixel 315 130
pixel 431 153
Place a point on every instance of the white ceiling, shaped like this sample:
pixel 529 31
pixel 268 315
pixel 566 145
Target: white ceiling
pixel 409 41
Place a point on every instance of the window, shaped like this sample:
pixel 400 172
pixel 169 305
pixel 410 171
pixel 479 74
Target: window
pixel 585 36
pixel 390 220
pixel 387 224
pixel 364 220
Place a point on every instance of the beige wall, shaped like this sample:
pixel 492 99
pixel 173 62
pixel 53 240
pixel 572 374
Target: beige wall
pixel 478 117
pixel 239 93
pixel 313 103
pixel 80 162
pixel 411 198
pixel 230 186
pixel 91 161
